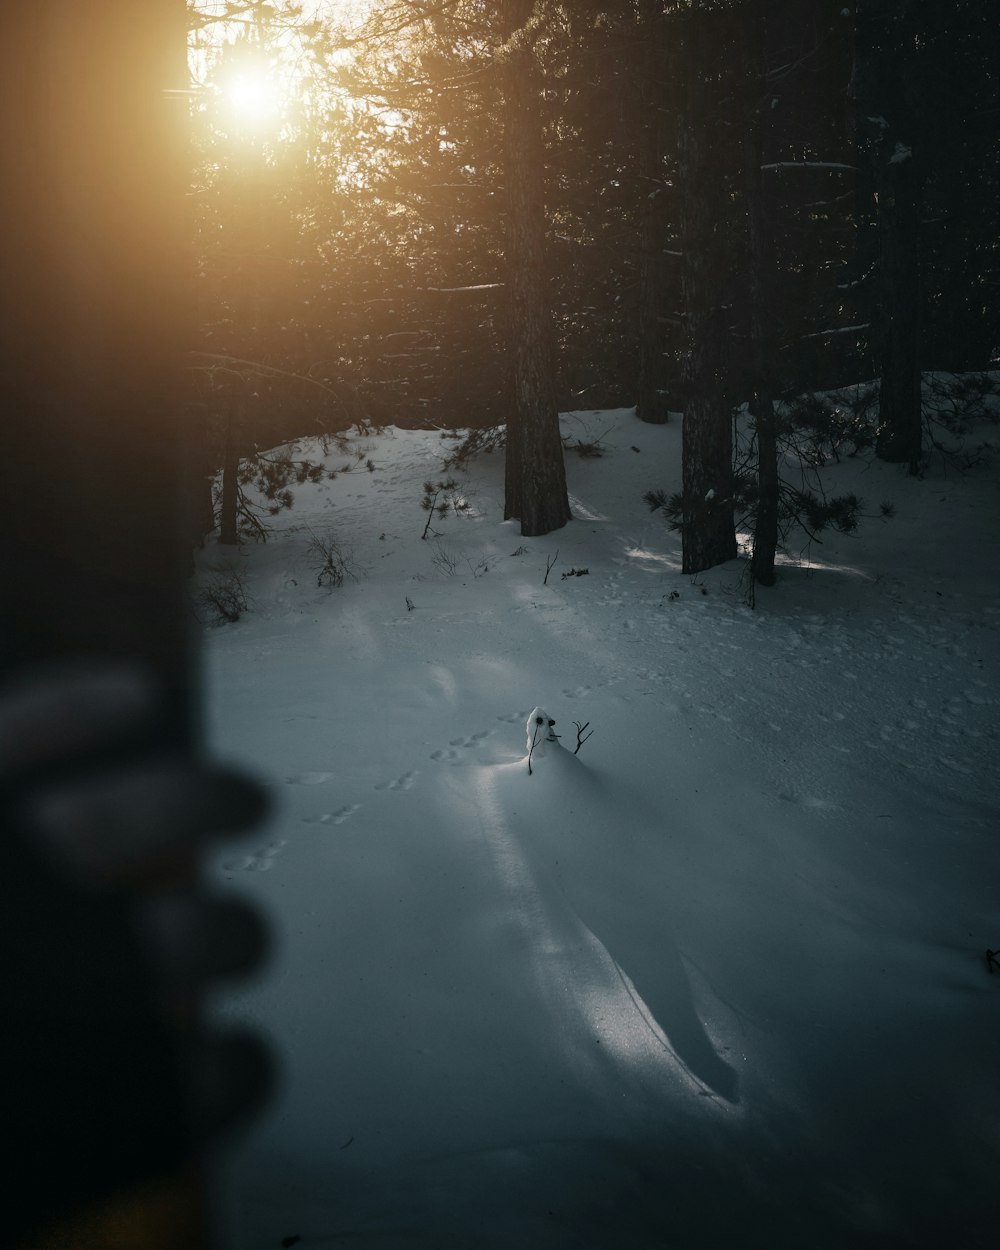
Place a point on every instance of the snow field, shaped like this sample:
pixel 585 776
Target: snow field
pixel 717 975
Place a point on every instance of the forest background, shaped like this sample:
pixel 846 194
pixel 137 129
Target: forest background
pixel 473 216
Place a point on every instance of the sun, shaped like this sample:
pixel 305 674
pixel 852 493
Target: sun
pixel 259 73
pixel 253 95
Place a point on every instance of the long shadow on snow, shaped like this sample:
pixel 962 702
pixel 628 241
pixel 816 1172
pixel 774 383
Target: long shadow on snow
pixel 607 862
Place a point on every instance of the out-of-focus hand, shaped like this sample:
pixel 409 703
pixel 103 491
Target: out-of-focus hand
pixel 109 1077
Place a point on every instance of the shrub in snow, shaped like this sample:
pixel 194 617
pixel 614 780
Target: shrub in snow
pixel 331 565
pixel 439 499
pixel 221 597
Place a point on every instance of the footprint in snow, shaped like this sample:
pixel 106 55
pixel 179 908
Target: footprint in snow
pixel 333 818
pixel 401 783
pixel 258 861
pixel 472 741
pixel 448 755
pixel 514 718
pixel 809 801
pixel 308 779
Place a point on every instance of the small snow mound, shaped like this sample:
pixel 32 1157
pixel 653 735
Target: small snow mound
pixel 540 730
pixel 541 734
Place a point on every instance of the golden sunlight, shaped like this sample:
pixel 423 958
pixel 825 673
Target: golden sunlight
pixel 253 95
pixel 345 10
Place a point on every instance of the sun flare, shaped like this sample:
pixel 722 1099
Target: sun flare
pixel 254 96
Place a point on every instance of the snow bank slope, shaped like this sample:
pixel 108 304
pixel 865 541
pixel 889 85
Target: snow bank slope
pixel 718 975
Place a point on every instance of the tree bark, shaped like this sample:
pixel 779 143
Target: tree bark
pixel 900 419
pixel 886 113
pixel 762 269
pixel 653 385
pixel 229 532
pixel 535 473
pixel 708 533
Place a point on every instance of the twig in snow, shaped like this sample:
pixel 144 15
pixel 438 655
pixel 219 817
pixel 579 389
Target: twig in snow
pixel 549 564
pixel 580 731
pixel 534 743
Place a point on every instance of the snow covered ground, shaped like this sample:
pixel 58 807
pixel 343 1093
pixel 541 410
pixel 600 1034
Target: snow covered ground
pixel 716 980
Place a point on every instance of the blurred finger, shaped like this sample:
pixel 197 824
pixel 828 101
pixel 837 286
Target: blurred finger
pixel 59 714
pixel 196 939
pixel 230 1079
pixel 141 823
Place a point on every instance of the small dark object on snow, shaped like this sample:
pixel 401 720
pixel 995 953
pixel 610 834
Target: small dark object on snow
pixel 992 961
pixel 346 1143
pixel 291 1241
pixel 634 448
pixel 576 573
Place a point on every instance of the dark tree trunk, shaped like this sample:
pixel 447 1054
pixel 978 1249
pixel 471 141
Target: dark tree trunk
pixel 900 420
pixel 761 273
pixel 535 475
pixel 708 533
pixel 229 504
pixel 886 112
pixel 653 385
pixel 248 235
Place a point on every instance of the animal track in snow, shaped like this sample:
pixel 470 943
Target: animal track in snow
pixel 333 818
pixel 448 754
pixel 258 861
pixel 808 800
pixel 472 741
pixel 401 783
pixel 514 718
pixel 577 693
pixel 308 779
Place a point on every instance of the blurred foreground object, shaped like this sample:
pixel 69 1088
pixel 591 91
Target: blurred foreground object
pixel 100 1093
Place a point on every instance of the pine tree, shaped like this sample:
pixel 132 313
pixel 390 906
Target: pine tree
pixel 708 533
pixel 535 474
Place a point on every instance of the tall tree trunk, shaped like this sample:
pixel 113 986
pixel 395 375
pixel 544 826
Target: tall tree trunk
pixel 535 474
pixel 762 268
pixel 708 533
pixel 900 419
pixel 247 225
pixel 229 531
pixel 883 90
pixel 652 399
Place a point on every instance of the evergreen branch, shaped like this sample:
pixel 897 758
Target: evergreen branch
pixel 258 366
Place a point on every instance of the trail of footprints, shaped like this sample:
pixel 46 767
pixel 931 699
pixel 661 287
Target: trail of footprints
pixel 333 818
pixel 257 861
pixel 262 860
pixel 451 755
pixel 401 783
